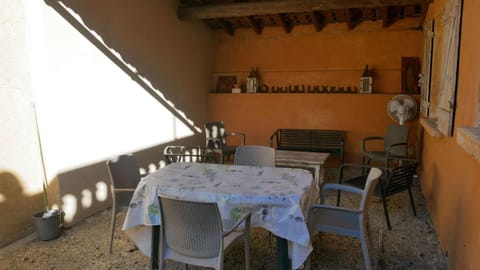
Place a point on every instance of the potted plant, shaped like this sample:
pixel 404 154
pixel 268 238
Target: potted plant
pixel 48 222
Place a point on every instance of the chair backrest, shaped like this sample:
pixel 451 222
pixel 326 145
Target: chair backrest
pixel 124 173
pixel 369 188
pixel 174 154
pixel 397 134
pixel 255 155
pixel 399 178
pixel 215 134
pixel 190 228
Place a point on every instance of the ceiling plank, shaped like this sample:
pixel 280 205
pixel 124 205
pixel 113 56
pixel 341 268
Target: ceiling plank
pixel 243 9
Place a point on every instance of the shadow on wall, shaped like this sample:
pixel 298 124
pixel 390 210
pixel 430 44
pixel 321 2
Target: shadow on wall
pixel 85 191
pixel 13 198
pixel 129 39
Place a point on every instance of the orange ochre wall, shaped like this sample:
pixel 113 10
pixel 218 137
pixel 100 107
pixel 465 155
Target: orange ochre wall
pixel 332 57
pixel 451 177
pixel 259 115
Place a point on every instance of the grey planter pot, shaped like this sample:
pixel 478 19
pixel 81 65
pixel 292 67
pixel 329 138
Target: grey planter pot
pixel 50 227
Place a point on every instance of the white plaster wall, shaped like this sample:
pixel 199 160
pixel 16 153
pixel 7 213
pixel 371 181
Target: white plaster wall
pixel 88 108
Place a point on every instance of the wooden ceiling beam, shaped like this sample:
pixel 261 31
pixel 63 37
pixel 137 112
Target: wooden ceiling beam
pixel 243 9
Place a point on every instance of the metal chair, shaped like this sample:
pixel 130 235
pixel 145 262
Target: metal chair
pixel 216 139
pixel 255 155
pixel 395 179
pixel 194 233
pixel 124 177
pixel 395 144
pixel 345 221
pixel 174 154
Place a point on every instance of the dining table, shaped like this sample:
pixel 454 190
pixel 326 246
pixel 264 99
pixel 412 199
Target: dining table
pixel 277 198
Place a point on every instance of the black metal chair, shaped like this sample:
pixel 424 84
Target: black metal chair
pixel 216 139
pixel 395 179
pixel 174 154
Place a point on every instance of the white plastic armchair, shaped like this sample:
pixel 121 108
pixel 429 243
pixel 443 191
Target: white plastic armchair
pixel 194 233
pixel 345 221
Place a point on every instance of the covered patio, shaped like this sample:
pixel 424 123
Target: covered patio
pixel 85 81
pixel 411 244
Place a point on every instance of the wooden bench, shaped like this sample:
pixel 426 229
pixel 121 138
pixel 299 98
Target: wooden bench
pixel 310 140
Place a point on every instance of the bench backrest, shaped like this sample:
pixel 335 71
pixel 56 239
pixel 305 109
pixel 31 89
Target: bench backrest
pixel 311 140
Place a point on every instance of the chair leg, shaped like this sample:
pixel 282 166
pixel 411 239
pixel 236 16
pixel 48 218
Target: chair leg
pixel 308 262
pixel 338 197
pixel 411 201
pixel 385 211
pixel 247 245
pixel 372 246
pixel 114 218
pixel 366 257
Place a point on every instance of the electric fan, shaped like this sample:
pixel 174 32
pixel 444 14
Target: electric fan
pixel 402 108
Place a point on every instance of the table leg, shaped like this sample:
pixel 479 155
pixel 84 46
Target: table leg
pixel 282 251
pixel 155 245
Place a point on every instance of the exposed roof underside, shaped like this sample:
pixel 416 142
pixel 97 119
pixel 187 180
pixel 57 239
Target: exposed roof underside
pixel 257 14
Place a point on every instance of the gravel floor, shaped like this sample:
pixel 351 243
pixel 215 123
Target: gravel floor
pixel 411 244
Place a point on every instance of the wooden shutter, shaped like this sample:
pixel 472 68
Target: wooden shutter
pixel 426 68
pixel 450 49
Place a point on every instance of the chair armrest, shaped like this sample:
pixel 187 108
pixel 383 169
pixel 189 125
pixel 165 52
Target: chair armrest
pixel 335 208
pixel 245 218
pixel 359 166
pixel 339 187
pixel 123 190
pixel 238 134
pixel 333 186
pixel 366 139
pixel 273 136
pixel 395 145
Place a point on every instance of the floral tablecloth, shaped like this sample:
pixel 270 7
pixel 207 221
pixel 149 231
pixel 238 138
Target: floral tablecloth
pixel 277 197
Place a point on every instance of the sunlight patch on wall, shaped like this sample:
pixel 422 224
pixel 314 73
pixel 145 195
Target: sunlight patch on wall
pixel 88 108
pixel 69 206
pixel 2 198
pixel 101 193
pixel 86 199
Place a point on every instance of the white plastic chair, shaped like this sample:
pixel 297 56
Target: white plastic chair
pixel 255 155
pixel 194 233
pixel 345 221
pixel 124 176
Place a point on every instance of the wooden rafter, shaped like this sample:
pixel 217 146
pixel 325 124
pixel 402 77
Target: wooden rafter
pixel 284 22
pixel 243 9
pixel 386 17
pixel 318 20
pixel 352 17
pixel 227 26
pixel 254 24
